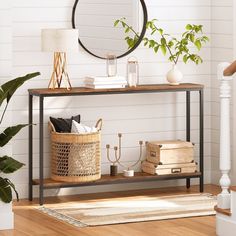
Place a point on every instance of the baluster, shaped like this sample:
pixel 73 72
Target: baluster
pixel 223 199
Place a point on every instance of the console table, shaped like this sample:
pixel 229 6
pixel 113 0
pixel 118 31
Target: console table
pixel 106 179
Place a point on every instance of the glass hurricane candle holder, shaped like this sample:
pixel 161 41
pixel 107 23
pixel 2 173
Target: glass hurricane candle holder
pixel 111 65
pixel 132 72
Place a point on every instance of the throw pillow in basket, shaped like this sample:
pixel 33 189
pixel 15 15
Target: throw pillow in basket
pixel 62 125
pixel 81 128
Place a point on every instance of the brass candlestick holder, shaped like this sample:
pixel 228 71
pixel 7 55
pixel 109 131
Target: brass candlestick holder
pixel 127 172
pixel 113 167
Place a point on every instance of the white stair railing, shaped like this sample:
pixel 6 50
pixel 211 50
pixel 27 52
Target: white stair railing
pixel 223 199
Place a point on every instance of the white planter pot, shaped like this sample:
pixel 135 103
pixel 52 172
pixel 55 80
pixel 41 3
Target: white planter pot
pixel 174 76
pixel 6 216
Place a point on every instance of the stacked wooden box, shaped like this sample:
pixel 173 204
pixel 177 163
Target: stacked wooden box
pixel 169 157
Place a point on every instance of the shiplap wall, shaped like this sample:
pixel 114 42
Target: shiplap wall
pixel 5 63
pixel 222 51
pixel 138 117
pixel 103 38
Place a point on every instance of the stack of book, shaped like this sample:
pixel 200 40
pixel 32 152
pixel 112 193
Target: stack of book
pixel 101 82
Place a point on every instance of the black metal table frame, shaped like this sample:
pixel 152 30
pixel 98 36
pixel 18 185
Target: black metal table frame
pixel 41 133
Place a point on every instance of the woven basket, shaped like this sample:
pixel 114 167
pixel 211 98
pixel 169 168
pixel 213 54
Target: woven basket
pixel 75 157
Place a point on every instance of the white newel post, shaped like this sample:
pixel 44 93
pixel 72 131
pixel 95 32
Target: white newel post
pixel 223 199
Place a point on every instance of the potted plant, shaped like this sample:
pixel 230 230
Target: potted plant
pixel 8 164
pixel 183 48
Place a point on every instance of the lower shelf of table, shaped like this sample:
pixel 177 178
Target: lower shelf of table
pixel 107 179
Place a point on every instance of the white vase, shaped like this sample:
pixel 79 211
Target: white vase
pixel 174 76
pixel 6 216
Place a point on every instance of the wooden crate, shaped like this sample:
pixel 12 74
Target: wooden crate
pixel 169 152
pixel 155 169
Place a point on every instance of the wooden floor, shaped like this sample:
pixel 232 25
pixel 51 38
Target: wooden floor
pixel 30 222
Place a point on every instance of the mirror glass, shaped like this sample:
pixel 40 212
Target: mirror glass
pixel 95 21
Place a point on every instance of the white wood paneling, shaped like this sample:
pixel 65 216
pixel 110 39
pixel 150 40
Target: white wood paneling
pixel 5 66
pixel 179 3
pixel 139 117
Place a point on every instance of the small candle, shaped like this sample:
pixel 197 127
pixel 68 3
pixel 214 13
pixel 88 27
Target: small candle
pixel 113 170
pixel 128 173
pixel 132 72
pixel 132 79
pixel 111 65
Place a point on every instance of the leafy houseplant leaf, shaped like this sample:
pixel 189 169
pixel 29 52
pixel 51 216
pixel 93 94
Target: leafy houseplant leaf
pixel 175 48
pixel 9 165
pixel 160 31
pixel 192 38
pixel 153 31
pixel 188 27
pixel 9 133
pixel 185 58
pixel 156 48
pixel 5 190
pixel 163 49
pixel 198 44
pixel 152 43
pixel 116 22
pixel 9 88
pixel 163 41
pixel 127 30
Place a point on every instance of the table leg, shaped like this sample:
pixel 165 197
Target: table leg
pixel 201 138
pixel 188 126
pixel 30 148
pixel 41 150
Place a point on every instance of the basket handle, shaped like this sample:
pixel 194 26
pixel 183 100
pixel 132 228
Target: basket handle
pixel 51 127
pixel 99 124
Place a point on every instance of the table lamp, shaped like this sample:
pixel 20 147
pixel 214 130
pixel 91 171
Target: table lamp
pixel 59 41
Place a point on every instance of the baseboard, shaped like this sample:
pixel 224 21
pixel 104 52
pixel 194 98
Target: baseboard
pixel 225 225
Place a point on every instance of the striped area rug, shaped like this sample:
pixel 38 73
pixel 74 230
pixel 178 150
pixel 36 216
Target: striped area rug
pixel 132 209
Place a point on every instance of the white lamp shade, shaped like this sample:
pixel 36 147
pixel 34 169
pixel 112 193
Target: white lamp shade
pixel 59 40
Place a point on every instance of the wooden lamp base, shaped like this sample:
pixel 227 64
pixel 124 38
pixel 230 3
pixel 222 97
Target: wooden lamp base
pixel 59 73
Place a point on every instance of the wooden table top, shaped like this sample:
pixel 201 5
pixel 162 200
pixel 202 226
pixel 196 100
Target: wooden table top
pixel 146 88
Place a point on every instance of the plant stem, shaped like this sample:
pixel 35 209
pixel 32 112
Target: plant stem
pixel 175 61
pixel 177 58
pixel 4 111
pixel 136 34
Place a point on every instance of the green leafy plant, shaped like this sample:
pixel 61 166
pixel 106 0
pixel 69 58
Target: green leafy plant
pixel 131 41
pixel 183 47
pixel 8 164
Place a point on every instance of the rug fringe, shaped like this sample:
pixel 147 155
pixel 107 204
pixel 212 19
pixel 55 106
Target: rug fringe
pixel 62 217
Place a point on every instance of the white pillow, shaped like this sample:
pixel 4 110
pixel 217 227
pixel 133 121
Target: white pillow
pixel 81 129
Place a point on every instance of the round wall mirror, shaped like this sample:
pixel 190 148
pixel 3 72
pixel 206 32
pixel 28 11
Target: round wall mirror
pixel 98 33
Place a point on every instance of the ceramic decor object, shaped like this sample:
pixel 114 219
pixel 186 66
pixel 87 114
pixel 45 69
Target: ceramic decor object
pixel 174 76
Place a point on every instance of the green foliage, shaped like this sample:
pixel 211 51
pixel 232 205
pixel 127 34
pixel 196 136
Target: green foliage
pixel 8 164
pixel 131 41
pixel 9 88
pixel 9 133
pixel 175 48
pixel 5 190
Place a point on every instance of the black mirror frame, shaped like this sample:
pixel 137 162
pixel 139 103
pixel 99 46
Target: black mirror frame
pixel 145 18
